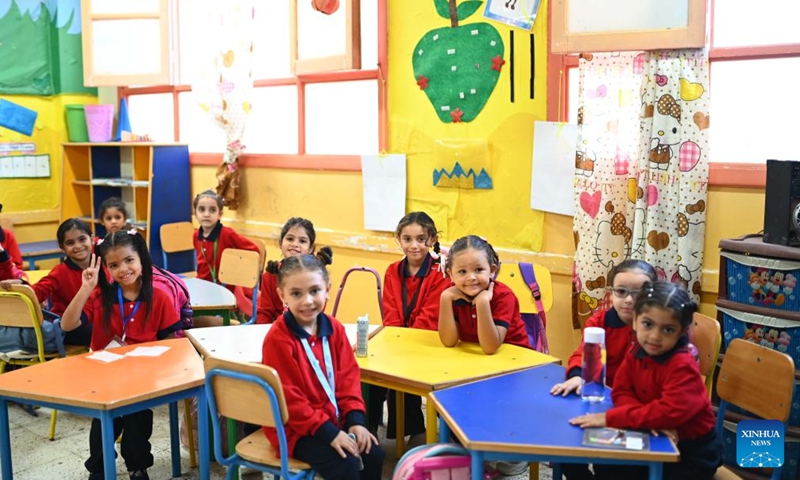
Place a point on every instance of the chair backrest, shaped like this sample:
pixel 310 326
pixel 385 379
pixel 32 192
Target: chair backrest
pixel 239 267
pixel 262 252
pixel 243 399
pixel 706 337
pixel 741 380
pixel 176 237
pixel 19 307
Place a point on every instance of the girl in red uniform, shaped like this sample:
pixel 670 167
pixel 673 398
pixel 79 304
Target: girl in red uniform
pixel 297 238
pixel 8 243
pixel 114 215
pixel 659 387
pixel 477 308
pixel 411 291
pixel 127 310
pixel 320 378
pixel 210 240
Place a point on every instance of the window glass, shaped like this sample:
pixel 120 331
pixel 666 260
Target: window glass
pixel 271 44
pixel 152 114
pixel 272 126
pixel 741 22
pixel 342 118
pixel 197 128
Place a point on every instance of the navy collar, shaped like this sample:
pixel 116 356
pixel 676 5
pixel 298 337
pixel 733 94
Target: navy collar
pixel 681 346
pixel 212 237
pixel 612 319
pixel 324 326
pixel 423 269
pixel 72 265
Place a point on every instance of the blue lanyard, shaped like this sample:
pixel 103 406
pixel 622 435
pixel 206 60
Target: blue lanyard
pixel 328 385
pixel 125 319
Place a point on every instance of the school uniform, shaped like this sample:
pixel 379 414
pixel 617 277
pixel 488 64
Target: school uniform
pixel 413 300
pixel 8 270
pixel 619 338
pixel 209 250
pixel 313 422
pixel 136 428
pixel 59 287
pixel 9 242
pixel 505 313
pixel 667 392
pixel 270 305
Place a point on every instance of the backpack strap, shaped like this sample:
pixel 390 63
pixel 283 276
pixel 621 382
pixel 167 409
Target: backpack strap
pixel 167 274
pixel 529 277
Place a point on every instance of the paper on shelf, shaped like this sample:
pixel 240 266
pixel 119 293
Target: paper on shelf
pixel 105 356
pixel 147 351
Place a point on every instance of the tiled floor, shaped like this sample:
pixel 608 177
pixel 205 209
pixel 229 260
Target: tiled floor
pixel 36 458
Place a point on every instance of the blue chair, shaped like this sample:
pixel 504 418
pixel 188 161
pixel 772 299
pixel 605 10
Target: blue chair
pixel 177 237
pixel 252 393
pixel 741 382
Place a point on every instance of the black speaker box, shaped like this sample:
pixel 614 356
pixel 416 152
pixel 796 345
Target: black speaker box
pixel 782 203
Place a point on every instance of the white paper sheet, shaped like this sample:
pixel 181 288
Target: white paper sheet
pixel 553 170
pixel 147 351
pixel 384 180
pixel 105 356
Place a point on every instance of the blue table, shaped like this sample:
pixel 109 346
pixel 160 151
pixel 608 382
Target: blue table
pixel 33 251
pixel 515 418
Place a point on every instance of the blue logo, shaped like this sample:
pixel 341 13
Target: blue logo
pixel 759 443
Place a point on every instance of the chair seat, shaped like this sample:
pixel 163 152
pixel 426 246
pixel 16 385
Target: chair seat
pixel 23 355
pixel 724 473
pixel 257 449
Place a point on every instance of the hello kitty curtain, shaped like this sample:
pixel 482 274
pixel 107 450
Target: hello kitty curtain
pixel 224 81
pixel 641 168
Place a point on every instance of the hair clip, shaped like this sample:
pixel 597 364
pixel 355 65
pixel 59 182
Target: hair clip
pixel 100 241
pixel 133 231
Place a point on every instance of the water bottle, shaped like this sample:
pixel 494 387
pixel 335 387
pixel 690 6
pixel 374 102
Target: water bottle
pixel 362 334
pixel 593 366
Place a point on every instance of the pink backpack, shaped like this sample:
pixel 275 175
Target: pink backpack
pixel 174 286
pixel 438 461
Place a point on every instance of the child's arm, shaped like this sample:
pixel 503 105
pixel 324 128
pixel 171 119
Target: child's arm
pixel 11 246
pixel 448 330
pixel 490 336
pixel 71 319
pixel 427 316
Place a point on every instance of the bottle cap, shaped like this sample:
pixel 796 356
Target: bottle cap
pixel 594 335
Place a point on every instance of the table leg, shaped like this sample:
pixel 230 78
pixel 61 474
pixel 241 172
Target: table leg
pixel 31 263
pixel 533 471
pixel 174 437
pixel 556 470
pixel 5 442
pixel 400 422
pixel 231 425
pixel 656 470
pixel 109 456
pixel 202 434
pixel 430 421
pixel 444 431
pixel 477 465
pixel 226 318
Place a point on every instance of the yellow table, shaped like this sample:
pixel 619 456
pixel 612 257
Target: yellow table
pixel 35 275
pixel 415 361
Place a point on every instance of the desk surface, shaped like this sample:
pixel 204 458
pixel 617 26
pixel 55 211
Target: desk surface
pixel 39 248
pixel 516 413
pixel 205 295
pixel 243 343
pixel 416 360
pixel 36 275
pixel 81 382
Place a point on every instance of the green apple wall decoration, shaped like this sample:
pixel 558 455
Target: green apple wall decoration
pixel 458 66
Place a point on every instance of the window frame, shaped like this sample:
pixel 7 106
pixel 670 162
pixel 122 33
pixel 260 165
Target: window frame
pixel 721 174
pixel 301 160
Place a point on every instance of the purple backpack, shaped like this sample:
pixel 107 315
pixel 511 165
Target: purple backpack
pixel 174 286
pixel 535 323
pixel 436 461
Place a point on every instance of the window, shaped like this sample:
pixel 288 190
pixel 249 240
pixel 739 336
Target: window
pixel 754 55
pixel 295 121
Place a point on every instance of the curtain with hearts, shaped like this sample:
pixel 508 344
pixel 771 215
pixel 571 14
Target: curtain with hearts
pixel 641 169
pixel 224 81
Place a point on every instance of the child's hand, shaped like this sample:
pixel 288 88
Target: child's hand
pixel 6 284
pixel 91 273
pixel 485 295
pixel 453 294
pixel 590 420
pixel 364 439
pixel 566 387
pixel 671 434
pixel 342 442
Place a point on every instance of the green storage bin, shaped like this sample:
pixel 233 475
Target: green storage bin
pixel 76 124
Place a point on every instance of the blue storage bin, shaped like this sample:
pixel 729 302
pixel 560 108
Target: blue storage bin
pixel 762 281
pixel 771 332
pixel 791 453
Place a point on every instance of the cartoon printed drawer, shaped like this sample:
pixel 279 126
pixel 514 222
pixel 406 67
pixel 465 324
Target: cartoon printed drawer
pixel 761 281
pixel 771 332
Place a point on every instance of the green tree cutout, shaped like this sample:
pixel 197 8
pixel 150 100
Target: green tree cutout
pixel 458 66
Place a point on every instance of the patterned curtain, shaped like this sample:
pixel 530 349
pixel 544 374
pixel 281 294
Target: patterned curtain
pixel 641 168
pixel 224 82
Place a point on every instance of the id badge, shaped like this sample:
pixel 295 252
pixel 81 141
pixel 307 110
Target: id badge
pixel 115 342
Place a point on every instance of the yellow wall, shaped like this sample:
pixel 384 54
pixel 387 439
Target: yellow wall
pixel 34 204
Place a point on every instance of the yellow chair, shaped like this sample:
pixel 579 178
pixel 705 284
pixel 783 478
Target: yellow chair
pixel 175 238
pixel 741 383
pixel 252 393
pixel 19 308
pixel 706 337
pixel 241 268
pixel 262 252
